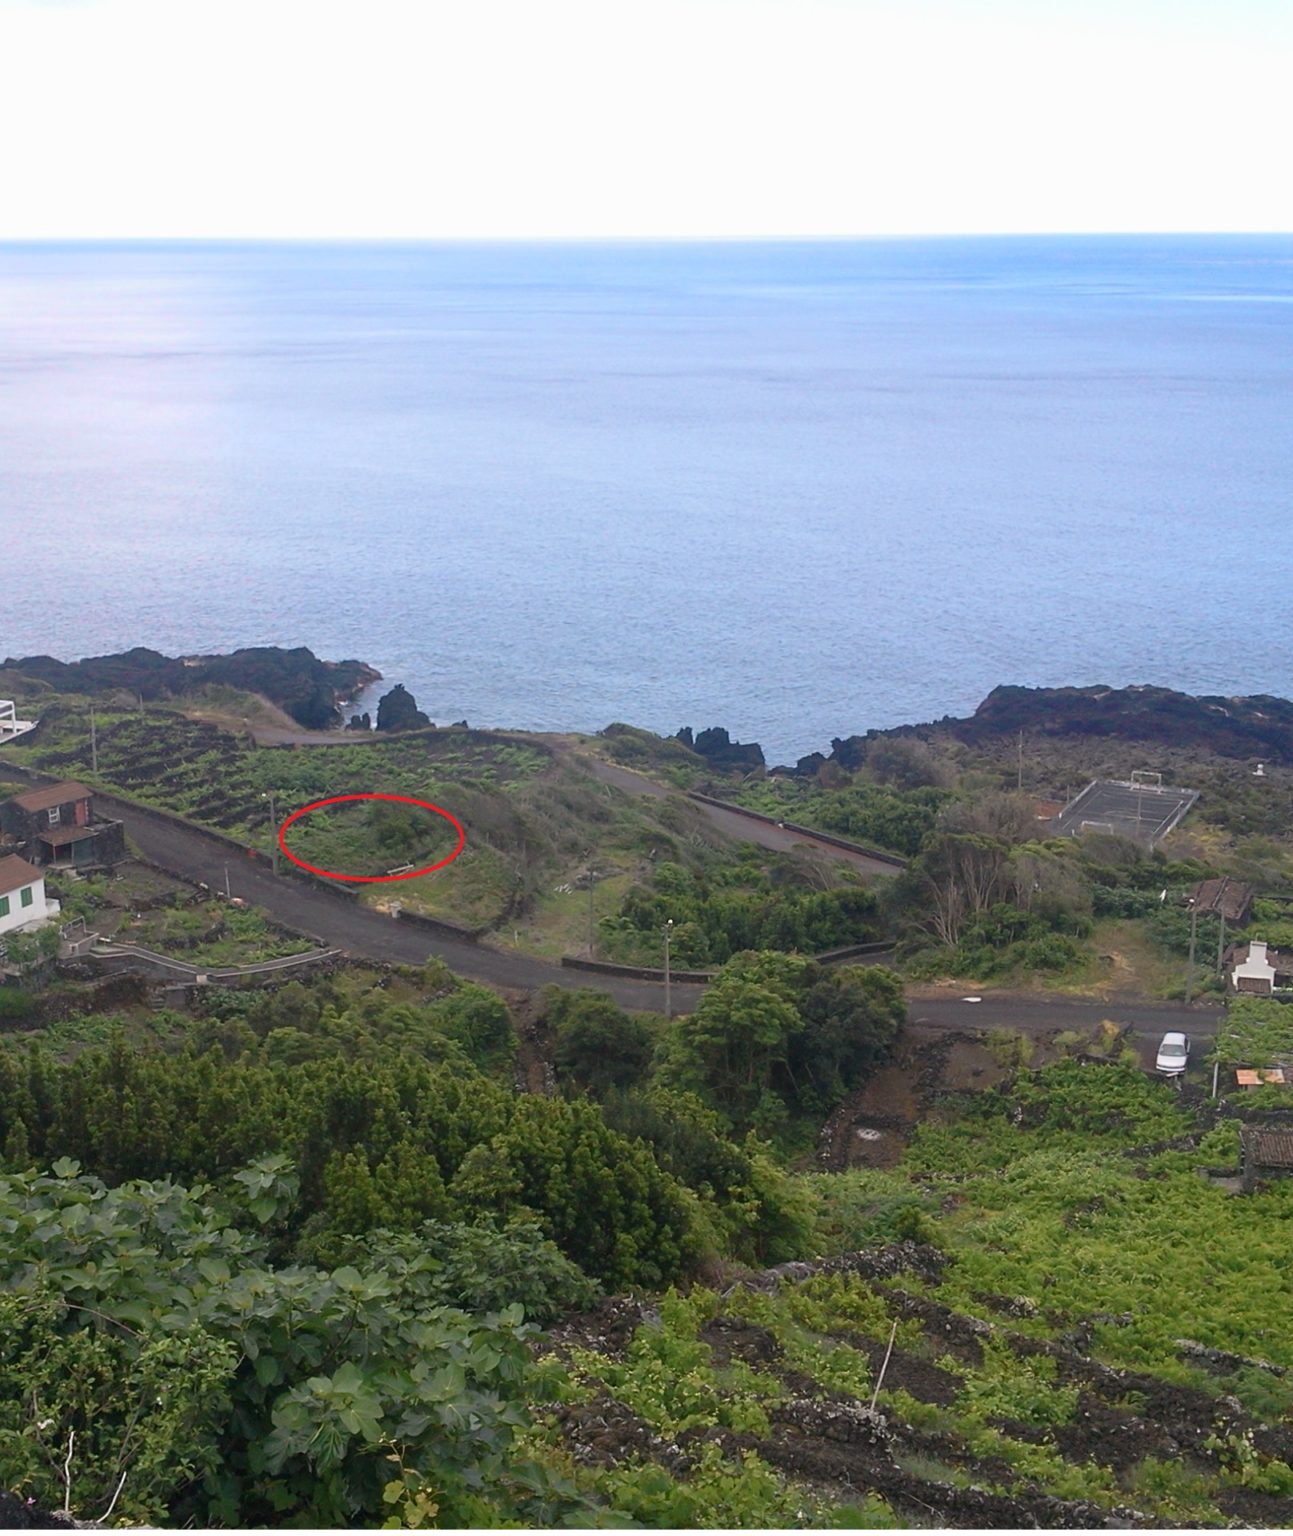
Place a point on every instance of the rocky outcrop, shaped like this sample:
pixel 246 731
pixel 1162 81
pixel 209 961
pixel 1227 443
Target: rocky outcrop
pixel 310 690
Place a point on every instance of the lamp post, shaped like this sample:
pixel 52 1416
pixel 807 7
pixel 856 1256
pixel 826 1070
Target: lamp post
pixel 668 932
pixel 1189 975
pixel 273 827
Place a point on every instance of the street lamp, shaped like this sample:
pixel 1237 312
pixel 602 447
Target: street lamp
pixel 668 932
pixel 273 828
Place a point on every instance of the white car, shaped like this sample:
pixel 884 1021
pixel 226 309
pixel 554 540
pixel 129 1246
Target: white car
pixel 1173 1053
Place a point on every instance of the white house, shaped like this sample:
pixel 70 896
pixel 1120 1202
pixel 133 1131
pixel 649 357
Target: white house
pixel 1256 967
pixel 23 903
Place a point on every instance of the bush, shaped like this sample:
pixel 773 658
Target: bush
pixel 16 1006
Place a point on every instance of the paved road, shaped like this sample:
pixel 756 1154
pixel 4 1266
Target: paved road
pixel 339 923
pixel 336 922
pixel 359 931
pixel 737 824
pixel 1037 1015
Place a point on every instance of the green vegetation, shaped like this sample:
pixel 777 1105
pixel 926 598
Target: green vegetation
pixel 1037 1352
pixel 761 901
pixel 283 1260
pixel 876 815
pixel 210 933
pixel 269 1257
pixel 776 1036
pixel 1258 1033
pixel 156 1363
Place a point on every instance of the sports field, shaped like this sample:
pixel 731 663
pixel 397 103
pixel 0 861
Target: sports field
pixel 1146 812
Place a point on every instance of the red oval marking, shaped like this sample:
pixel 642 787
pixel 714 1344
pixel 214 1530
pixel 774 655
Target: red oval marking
pixel 331 874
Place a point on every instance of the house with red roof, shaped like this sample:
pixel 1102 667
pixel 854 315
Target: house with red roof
pixel 56 825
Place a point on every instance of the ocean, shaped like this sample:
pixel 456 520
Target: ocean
pixel 795 489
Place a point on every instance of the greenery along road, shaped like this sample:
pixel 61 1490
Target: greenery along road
pixel 739 824
pixel 338 922
pixel 360 931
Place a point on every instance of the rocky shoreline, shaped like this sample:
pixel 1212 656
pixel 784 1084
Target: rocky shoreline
pixel 310 690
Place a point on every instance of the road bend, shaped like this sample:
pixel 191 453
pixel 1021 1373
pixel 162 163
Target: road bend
pixel 336 922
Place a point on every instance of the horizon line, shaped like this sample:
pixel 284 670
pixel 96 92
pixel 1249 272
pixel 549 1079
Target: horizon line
pixel 325 238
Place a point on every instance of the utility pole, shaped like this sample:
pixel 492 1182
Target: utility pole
pixel 668 932
pixel 273 828
pixel 94 744
pixel 590 904
pixel 1189 975
pixel 227 896
pixel 1020 781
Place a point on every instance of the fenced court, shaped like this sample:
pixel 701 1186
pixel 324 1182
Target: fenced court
pixel 1142 808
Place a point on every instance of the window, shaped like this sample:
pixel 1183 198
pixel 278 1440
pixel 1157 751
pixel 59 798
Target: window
pixel 25 898
pixel 4 906
pixel 55 815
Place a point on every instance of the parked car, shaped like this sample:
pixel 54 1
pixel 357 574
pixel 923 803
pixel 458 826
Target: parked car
pixel 1173 1053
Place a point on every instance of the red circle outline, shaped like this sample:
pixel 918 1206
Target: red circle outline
pixel 331 874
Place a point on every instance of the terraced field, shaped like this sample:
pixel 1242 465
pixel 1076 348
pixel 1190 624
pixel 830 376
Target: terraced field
pixel 531 818
pixel 218 779
pixel 1076 1328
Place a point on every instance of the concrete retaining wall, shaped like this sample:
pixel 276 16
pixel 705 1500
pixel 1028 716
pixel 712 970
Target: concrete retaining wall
pixel 702 978
pixel 442 925
pixel 637 972
pixel 130 957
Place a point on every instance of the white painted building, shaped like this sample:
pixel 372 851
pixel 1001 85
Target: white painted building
pixel 23 903
pixel 1256 967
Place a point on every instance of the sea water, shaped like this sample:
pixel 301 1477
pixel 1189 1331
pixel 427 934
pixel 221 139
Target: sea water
pixel 799 490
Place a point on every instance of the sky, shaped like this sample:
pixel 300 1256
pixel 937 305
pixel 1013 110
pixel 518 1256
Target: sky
pixel 537 119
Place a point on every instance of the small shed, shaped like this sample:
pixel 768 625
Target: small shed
pixel 57 825
pixel 1231 898
pixel 1264 1154
pixel 37 810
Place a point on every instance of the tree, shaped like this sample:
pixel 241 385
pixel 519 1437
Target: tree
pixel 477 1018
pixel 599 1046
pixel 147 1348
pixel 904 761
pixel 728 1049
pixel 852 1016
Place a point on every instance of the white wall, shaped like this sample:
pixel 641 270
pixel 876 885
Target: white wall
pixel 19 916
pixel 1256 966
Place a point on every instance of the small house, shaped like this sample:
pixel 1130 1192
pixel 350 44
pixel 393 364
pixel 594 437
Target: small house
pixel 1264 1154
pixel 1257 968
pixel 56 825
pixel 23 903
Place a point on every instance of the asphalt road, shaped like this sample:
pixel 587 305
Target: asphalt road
pixel 336 922
pixel 1038 1015
pixel 341 924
